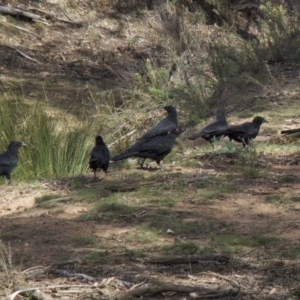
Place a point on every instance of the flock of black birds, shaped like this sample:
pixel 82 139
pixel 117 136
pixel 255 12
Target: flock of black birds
pixel 154 144
pixel 159 141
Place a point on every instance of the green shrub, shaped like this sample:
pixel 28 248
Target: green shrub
pixel 55 148
pixel 237 61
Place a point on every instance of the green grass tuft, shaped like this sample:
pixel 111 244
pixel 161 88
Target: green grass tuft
pixel 83 240
pixel 182 248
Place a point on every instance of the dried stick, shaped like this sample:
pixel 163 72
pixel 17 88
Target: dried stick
pixel 16 293
pixel 122 138
pixel 25 55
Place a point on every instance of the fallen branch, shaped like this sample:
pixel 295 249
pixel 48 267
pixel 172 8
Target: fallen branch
pixel 25 55
pixel 233 282
pixel 163 287
pixel 15 12
pixel 193 259
pixel 50 16
pixel 25 291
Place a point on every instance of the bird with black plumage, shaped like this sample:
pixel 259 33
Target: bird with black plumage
pixel 212 131
pixel 155 148
pixel 166 125
pixel 100 156
pixel 9 159
pixel 244 133
pixel 157 142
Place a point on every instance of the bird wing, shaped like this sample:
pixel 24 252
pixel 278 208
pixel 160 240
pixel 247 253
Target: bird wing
pixel 153 146
pixel 100 153
pixel 158 145
pixel 245 130
pixel 213 129
pixel 164 126
pixel 8 159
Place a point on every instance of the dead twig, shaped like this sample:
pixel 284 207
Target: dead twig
pixel 66 14
pixel 24 291
pixel 21 53
pixel 131 187
pixel 27 56
pixel 122 138
pixel 66 273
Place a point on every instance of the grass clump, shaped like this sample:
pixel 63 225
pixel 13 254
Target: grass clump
pixel 100 257
pixel 54 152
pixel 83 240
pixel 55 148
pixel 49 201
pixel 143 236
pixel 182 248
pixel 9 275
pixel 236 240
pixel 248 161
pixel 111 209
pixel 134 254
pixel 180 226
pixel 288 178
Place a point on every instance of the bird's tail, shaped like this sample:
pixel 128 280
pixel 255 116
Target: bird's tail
pixel 123 155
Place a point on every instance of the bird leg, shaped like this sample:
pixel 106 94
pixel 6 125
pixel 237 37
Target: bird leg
pixel 8 179
pixel 161 166
pixel 95 174
pixel 142 163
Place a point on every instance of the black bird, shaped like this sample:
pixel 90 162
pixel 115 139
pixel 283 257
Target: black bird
pixel 244 132
pixel 165 125
pixel 212 131
pixel 100 156
pixel 155 148
pixel 9 159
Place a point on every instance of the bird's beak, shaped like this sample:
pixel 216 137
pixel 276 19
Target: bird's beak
pixel 265 121
pixel 23 144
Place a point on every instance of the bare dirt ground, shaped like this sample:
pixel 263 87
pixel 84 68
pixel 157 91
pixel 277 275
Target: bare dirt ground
pixel 46 238
pixel 45 243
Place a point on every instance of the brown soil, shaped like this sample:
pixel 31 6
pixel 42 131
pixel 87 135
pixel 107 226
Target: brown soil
pixel 47 237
